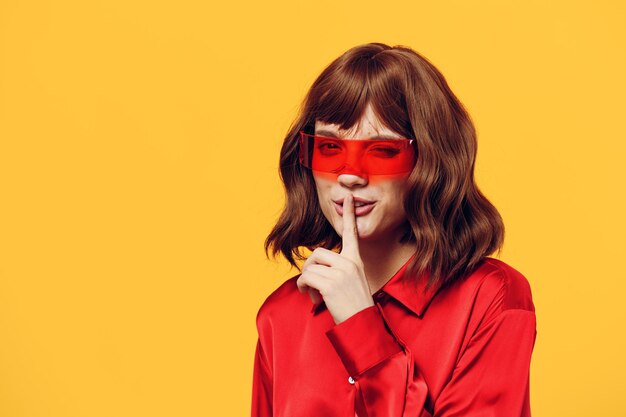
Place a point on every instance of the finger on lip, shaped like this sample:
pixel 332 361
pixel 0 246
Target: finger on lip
pixel 347 212
pixel 355 205
pixel 354 201
pixel 350 245
pixel 347 201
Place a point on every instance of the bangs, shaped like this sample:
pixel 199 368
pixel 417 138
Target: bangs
pixel 341 97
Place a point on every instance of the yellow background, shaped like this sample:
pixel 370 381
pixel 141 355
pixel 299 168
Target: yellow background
pixel 139 146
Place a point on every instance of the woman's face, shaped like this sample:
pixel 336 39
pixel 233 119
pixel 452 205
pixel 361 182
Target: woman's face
pixel 382 218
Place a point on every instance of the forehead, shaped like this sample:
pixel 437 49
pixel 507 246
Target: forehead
pixel 367 126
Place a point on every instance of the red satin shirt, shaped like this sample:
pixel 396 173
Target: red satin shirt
pixel 463 351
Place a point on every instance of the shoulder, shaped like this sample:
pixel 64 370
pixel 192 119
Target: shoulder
pixel 511 284
pixel 284 299
pixel 515 288
pixel 495 287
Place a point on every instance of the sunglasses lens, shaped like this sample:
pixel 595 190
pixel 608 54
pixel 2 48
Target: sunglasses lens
pixel 358 156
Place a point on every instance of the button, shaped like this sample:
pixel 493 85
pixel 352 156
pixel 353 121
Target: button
pixel 350 380
pixel 380 295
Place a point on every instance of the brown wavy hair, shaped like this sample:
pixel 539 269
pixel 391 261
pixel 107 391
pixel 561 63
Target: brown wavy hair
pixel 452 223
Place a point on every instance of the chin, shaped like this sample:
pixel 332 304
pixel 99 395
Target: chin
pixel 364 230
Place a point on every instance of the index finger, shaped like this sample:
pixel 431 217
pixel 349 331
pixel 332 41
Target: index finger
pixel 350 234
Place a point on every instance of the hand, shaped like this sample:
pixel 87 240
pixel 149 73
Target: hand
pixel 338 278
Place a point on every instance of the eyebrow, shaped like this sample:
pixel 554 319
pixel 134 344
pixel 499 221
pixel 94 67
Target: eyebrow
pixel 330 134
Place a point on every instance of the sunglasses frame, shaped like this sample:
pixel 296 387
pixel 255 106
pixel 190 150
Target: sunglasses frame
pixel 408 142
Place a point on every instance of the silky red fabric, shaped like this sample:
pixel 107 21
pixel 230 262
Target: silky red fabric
pixel 462 351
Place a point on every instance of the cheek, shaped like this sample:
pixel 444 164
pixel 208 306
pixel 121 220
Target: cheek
pixel 385 181
pixel 322 188
pixel 323 178
pixel 393 189
pixel 395 194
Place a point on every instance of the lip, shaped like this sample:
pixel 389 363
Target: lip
pixel 356 200
pixel 358 211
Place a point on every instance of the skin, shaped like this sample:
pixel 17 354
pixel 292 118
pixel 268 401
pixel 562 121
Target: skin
pixel 370 253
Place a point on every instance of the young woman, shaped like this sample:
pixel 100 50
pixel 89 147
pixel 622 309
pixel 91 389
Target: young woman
pixel 399 310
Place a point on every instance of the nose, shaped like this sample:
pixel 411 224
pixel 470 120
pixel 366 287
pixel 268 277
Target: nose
pixel 353 180
pixel 352 174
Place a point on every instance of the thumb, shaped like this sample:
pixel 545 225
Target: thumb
pixel 315 295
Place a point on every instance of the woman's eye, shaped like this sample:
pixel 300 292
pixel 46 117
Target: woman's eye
pixel 385 151
pixel 329 148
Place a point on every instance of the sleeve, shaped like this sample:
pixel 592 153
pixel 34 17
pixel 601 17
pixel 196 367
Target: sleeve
pixel 492 375
pixel 381 366
pixel 261 385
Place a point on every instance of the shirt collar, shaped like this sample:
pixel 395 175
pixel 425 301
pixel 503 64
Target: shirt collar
pixel 412 297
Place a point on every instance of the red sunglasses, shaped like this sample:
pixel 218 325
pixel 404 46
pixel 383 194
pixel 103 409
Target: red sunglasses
pixel 360 156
